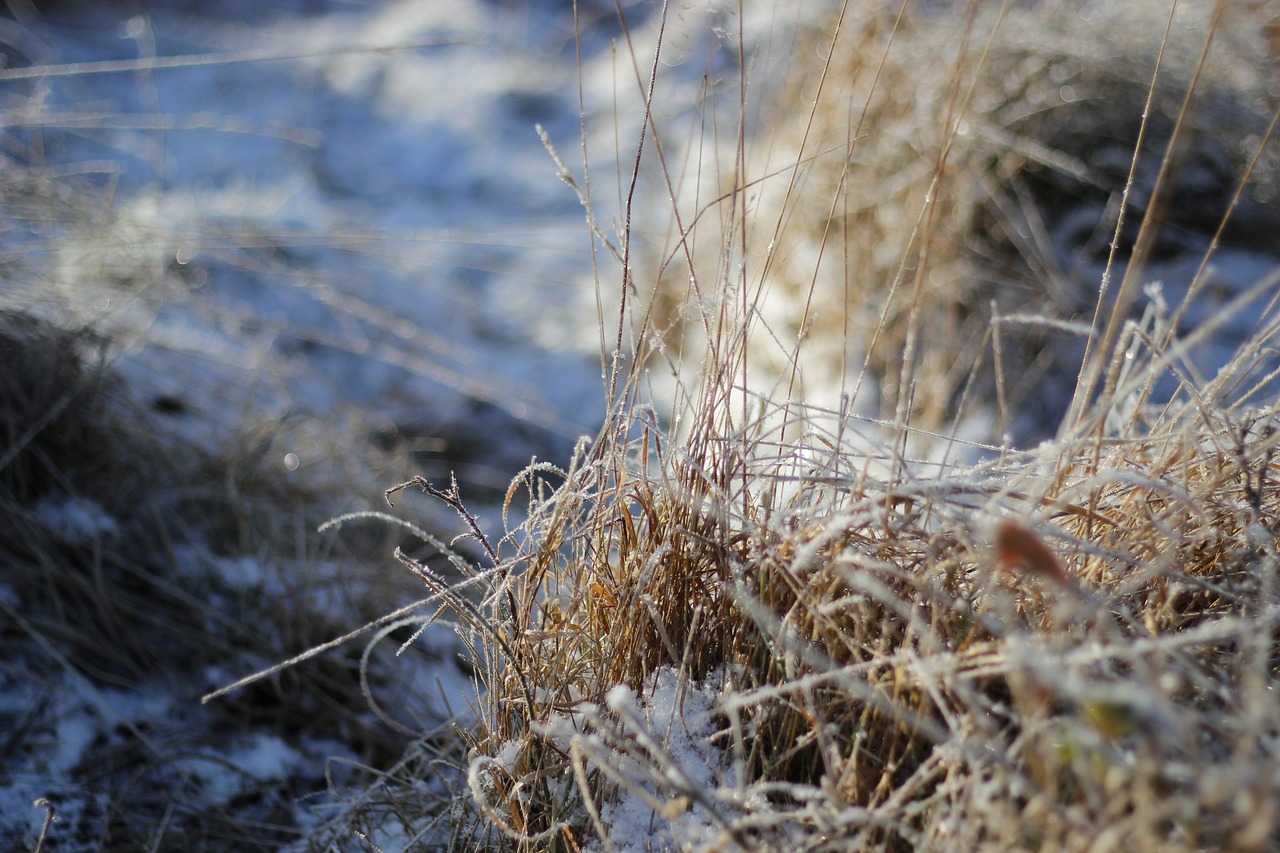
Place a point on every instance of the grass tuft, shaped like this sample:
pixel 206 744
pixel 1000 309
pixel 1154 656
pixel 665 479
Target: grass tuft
pixel 840 599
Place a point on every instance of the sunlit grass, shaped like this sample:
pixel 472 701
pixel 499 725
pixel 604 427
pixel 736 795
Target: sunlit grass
pixel 969 541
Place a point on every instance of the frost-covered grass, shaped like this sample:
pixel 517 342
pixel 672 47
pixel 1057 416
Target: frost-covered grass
pixel 920 518
pixel 923 517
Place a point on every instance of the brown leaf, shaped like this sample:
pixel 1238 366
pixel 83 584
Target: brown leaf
pixel 1018 549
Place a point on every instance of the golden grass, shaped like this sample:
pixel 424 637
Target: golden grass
pixel 1064 647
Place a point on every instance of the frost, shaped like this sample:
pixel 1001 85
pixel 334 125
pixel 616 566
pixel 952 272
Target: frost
pixel 507 755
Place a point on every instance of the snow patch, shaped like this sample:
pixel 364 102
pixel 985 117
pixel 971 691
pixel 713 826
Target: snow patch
pixel 260 758
pixel 675 722
pixel 75 520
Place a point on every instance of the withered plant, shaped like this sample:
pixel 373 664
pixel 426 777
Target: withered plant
pixel 917 248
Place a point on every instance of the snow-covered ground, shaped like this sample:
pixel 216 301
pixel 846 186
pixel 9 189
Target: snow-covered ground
pixel 360 186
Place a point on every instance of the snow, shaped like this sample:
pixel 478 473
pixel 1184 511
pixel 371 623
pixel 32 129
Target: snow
pixel 75 519
pixel 406 190
pixel 676 720
pixel 258 758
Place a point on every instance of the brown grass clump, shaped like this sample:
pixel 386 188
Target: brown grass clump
pixel 1064 648
pixel 880 680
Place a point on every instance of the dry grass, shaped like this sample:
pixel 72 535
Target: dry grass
pixel 1066 647
pixel 1018 125
pixel 894 620
pixel 122 604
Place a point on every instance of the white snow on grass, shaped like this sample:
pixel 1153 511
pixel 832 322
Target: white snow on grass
pixel 378 233
pixel 409 193
pixel 671 779
pixel 674 720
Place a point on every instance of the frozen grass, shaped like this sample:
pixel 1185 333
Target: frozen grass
pixel 765 623
pixel 918 521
